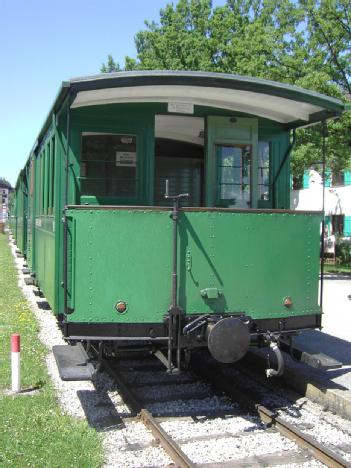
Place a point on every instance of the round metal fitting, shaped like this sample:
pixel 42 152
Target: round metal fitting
pixel 287 301
pixel 228 340
pixel 121 307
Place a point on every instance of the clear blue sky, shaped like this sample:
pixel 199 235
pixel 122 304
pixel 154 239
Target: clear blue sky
pixel 45 42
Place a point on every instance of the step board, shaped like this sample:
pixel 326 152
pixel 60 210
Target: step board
pixel 320 361
pixel 73 362
pixel 312 358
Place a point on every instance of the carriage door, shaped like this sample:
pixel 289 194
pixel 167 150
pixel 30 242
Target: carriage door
pixel 179 157
pixel 231 177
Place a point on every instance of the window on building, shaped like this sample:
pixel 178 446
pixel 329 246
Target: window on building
pixel 337 178
pixel 338 224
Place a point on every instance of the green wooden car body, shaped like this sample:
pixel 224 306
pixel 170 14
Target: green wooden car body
pixel 119 248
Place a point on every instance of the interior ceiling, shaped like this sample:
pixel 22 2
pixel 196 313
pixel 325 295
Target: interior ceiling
pixel 275 108
pixel 181 128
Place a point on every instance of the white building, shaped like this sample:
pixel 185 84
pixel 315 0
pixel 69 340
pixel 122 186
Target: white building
pixel 5 189
pixel 337 199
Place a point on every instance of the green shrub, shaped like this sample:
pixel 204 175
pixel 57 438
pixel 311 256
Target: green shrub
pixel 343 251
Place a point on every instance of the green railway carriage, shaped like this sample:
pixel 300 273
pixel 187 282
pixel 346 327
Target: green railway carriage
pixel 123 256
pixel 21 212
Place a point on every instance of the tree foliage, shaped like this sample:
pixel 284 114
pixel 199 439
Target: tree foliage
pixel 5 183
pixel 302 42
pixel 110 66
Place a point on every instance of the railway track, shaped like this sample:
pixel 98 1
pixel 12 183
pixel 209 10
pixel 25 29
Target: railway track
pixel 172 448
pixel 222 383
pixel 165 404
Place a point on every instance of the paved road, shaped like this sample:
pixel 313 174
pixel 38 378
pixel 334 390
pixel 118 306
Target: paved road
pixel 336 320
pixel 335 337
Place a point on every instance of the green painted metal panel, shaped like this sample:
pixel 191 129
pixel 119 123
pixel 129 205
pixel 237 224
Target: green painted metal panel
pixel 30 212
pixel 253 259
pixel 45 255
pixel 21 212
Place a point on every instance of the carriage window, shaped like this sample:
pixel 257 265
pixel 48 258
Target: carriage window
pixel 108 165
pixel 234 175
pixel 52 197
pixel 263 170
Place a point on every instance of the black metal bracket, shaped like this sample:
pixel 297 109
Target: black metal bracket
pixel 174 312
pixel 195 324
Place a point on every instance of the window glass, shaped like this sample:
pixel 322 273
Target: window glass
pixel 47 178
pixel 42 172
pixel 234 170
pixel 263 170
pixel 108 165
pixel 337 178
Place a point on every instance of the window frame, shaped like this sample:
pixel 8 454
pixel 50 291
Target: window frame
pixel 221 202
pixel 113 200
pixel 259 200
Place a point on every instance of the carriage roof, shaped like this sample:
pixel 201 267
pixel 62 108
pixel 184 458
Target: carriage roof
pixel 280 102
pixel 289 105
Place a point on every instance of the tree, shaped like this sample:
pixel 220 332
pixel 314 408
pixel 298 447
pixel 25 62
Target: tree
pixel 111 66
pixel 5 183
pixel 301 42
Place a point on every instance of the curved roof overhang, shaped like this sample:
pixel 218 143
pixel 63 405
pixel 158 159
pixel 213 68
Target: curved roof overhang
pixel 286 104
pixel 292 106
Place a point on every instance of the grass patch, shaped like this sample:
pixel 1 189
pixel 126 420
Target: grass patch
pixel 337 268
pixel 34 432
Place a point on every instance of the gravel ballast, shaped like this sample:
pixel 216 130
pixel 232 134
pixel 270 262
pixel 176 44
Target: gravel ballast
pixel 126 444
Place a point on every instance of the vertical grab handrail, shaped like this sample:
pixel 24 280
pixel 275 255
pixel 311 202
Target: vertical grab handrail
pixel 324 155
pixel 174 310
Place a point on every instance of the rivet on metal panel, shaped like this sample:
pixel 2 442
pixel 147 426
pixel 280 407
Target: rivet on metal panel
pixel 287 301
pixel 188 260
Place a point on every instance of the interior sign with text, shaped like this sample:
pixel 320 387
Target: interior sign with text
pixel 126 158
pixel 181 107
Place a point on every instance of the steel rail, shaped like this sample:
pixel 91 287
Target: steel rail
pixel 171 447
pixel 168 444
pixel 223 385
pixel 321 453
